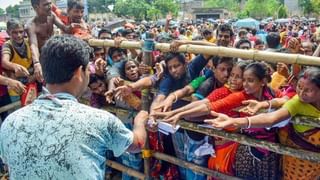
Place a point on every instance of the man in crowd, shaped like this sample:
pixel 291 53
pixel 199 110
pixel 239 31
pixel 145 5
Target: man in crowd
pixel 40 29
pixel 56 137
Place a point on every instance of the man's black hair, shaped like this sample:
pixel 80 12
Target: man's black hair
pixel 104 30
pixel 94 78
pixel 35 3
pixel 77 4
pixel 61 56
pixel 216 60
pixel 112 50
pixel 241 41
pixel 224 28
pixel 179 56
pixel 273 40
pixel 13 24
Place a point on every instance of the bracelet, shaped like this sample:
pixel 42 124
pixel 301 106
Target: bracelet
pixel 175 98
pixel 270 104
pixel 36 62
pixel 249 122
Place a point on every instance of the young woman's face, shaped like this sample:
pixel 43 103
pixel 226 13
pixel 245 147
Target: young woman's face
pixel 98 87
pixel 131 71
pixel 236 79
pixel 252 85
pixel 308 92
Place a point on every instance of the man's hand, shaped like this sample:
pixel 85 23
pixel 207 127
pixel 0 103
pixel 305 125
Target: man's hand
pixel 141 117
pixel 283 69
pixel 100 66
pixel 123 91
pixel 109 96
pixel 38 72
pixel 174 46
pixel 159 70
pixel 118 41
pixel 144 69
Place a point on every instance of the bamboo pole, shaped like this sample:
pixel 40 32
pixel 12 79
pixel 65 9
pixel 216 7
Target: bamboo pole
pixel 272 57
pixel 242 139
pixel 125 169
pixel 10 106
pixel 146 101
pixel 192 166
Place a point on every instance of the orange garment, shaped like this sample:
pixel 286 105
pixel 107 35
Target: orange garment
pixel 224 159
pixel 225 151
pixel 82 32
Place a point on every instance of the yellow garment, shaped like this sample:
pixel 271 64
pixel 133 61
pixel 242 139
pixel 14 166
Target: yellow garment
pixel 277 80
pixel 212 40
pixel 297 107
pixel 17 59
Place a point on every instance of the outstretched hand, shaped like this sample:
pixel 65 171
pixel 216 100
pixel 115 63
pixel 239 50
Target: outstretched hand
pixel 252 107
pixel 221 121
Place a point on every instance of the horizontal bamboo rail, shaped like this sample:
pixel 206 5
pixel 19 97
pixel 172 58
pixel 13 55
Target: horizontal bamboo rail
pixel 242 139
pixel 274 147
pixel 272 57
pixel 196 168
pixel 125 169
pixel 10 106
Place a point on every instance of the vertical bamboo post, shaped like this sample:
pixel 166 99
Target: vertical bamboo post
pixel 147 59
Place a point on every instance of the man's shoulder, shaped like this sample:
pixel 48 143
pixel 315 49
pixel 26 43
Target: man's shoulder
pixel 94 112
pixel 30 24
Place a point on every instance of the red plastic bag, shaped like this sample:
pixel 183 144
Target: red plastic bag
pixel 30 94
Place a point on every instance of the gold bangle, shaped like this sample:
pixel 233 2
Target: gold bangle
pixel 175 98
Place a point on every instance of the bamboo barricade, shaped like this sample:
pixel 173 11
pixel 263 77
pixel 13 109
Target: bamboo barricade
pixel 242 139
pixel 10 106
pixel 272 57
pixel 188 165
pixel 125 169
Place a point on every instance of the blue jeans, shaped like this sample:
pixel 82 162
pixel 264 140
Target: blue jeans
pixel 132 160
pixel 185 147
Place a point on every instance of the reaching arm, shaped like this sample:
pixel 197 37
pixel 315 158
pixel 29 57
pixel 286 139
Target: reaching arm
pixel 139 132
pixel 61 25
pixel 19 70
pixel 257 121
pixel 17 86
pixel 33 40
pixel 254 106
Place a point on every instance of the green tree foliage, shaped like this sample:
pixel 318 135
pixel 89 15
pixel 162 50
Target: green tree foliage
pixel 160 8
pixel 262 8
pixel 306 6
pixel 315 6
pixel 145 9
pixel 133 8
pixel 282 12
pixel 13 11
pixel 2 12
pixel 231 5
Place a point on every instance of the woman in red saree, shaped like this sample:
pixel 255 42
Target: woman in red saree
pixel 224 150
pixel 250 162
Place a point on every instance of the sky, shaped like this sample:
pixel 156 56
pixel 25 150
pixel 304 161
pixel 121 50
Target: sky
pixel 5 3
